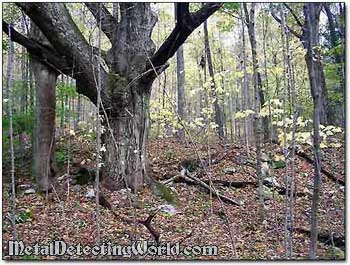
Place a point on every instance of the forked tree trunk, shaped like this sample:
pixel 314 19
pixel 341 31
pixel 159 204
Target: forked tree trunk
pixel 132 66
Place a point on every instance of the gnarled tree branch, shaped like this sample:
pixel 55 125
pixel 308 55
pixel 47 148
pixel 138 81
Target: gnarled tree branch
pixel 293 14
pixel 108 22
pixel 55 22
pixel 296 34
pixel 186 23
pixel 43 53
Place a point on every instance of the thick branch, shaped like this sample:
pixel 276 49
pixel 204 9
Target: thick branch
pixel 108 22
pixel 293 14
pixel 296 34
pixel 186 24
pixel 41 52
pixel 55 22
pixel 246 13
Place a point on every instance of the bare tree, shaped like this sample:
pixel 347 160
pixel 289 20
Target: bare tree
pixel 316 77
pixel 245 82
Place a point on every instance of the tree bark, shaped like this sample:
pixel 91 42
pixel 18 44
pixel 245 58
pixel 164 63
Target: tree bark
pixel 250 20
pixel 44 142
pixel 125 157
pixel 245 83
pixel 313 59
pixel 180 71
pixel 217 109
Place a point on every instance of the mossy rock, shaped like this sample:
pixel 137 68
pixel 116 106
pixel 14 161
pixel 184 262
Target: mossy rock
pixel 84 176
pixel 164 192
pixel 190 164
pixel 269 194
pixel 277 164
pixel 335 253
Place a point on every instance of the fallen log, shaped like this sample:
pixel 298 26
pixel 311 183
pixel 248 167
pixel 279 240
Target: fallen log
pixel 323 170
pixel 212 190
pixel 225 183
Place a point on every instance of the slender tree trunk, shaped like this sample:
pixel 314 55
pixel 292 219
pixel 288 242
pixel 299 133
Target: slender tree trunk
pixel 8 93
pixel 335 111
pixel 44 146
pixel 217 109
pixel 269 128
pixel 245 83
pixel 23 103
pixel 115 11
pixel 78 118
pixel 250 18
pixel 287 177
pixel 180 70
pixel 314 64
pixel 222 101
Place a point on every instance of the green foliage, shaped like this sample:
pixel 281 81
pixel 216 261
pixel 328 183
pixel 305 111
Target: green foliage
pixel 335 253
pixel 24 216
pixel 64 89
pixel 10 12
pixel 190 164
pixel 194 7
pixel 61 158
pixel 29 257
pixel 277 164
pixel 232 6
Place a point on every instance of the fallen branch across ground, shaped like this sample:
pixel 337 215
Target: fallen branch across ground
pixel 211 189
pixel 323 170
pixel 225 183
pixel 147 223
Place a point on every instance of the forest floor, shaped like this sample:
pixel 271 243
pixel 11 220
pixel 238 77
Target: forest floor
pixel 200 219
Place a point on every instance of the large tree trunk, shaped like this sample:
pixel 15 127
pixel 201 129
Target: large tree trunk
pixel 44 146
pixel 310 40
pixel 44 141
pixel 125 157
pixel 132 66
